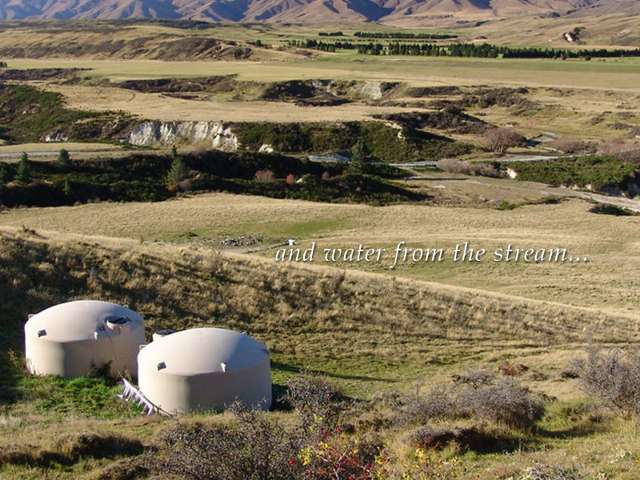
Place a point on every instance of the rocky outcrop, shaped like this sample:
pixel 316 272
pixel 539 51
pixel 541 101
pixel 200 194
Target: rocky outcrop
pixel 216 134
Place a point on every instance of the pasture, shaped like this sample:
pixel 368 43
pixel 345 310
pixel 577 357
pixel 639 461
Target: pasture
pixel 603 283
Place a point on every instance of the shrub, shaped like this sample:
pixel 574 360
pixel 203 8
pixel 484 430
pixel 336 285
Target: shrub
pixel 620 150
pixel 24 171
pixel 478 395
pixel 264 176
pixel 593 170
pixel 315 400
pixel 504 402
pixel 439 403
pixel 342 457
pixel 613 377
pixel 360 158
pixel 573 146
pixel 453 165
pixel 550 472
pixel 502 139
pixel 64 159
pixel 252 447
pixel 475 378
pixel 177 172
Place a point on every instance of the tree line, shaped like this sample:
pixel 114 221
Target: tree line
pixel 484 50
pixel 405 35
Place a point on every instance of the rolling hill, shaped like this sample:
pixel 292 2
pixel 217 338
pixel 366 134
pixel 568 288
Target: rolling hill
pixel 300 11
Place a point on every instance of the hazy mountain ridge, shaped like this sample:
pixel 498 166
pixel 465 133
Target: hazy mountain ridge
pixel 304 11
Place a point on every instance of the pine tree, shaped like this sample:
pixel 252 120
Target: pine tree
pixel 64 159
pixel 24 173
pixel 4 178
pixel 359 158
pixel 177 172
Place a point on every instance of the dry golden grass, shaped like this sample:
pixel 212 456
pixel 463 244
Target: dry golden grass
pixel 398 332
pixel 613 74
pixel 159 107
pixel 607 281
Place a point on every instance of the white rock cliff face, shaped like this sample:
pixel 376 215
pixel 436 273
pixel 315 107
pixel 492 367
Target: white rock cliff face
pixel 216 134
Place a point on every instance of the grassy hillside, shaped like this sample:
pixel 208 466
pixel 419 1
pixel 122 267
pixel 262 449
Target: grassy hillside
pixel 28 114
pixel 398 332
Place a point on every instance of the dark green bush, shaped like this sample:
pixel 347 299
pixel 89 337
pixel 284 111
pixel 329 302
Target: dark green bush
pixel 594 170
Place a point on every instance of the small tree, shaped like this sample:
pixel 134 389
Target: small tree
pixel 177 172
pixel 66 187
pixel 64 159
pixel 264 176
pixel 360 157
pixel 174 152
pixel 24 172
pixel 500 140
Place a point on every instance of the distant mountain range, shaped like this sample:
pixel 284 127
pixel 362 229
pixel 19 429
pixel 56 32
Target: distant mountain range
pixel 301 11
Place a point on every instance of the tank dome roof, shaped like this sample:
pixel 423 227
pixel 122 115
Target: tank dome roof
pixel 78 320
pixel 203 350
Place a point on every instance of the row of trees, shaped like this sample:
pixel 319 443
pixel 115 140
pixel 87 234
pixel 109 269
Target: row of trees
pixel 484 50
pixel 406 35
pixel 176 174
pixel 24 176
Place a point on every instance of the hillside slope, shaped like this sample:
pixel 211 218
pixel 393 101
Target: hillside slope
pixel 181 287
pixel 304 11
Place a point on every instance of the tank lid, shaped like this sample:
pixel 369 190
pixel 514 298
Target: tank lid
pixel 78 320
pixel 203 350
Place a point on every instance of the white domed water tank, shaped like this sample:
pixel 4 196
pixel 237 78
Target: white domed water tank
pixel 71 339
pixel 205 369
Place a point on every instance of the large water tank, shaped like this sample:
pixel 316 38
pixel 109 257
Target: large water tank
pixel 71 339
pixel 205 369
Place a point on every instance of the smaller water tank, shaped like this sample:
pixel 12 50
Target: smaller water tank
pixel 205 369
pixel 71 339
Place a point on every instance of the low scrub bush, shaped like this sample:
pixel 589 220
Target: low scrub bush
pixel 542 471
pixel 252 447
pixel 475 395
pixel 613 377
pixel 573 146
pixel 622 151
pixel 453 165
pixel 504 402
pixel 316 401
